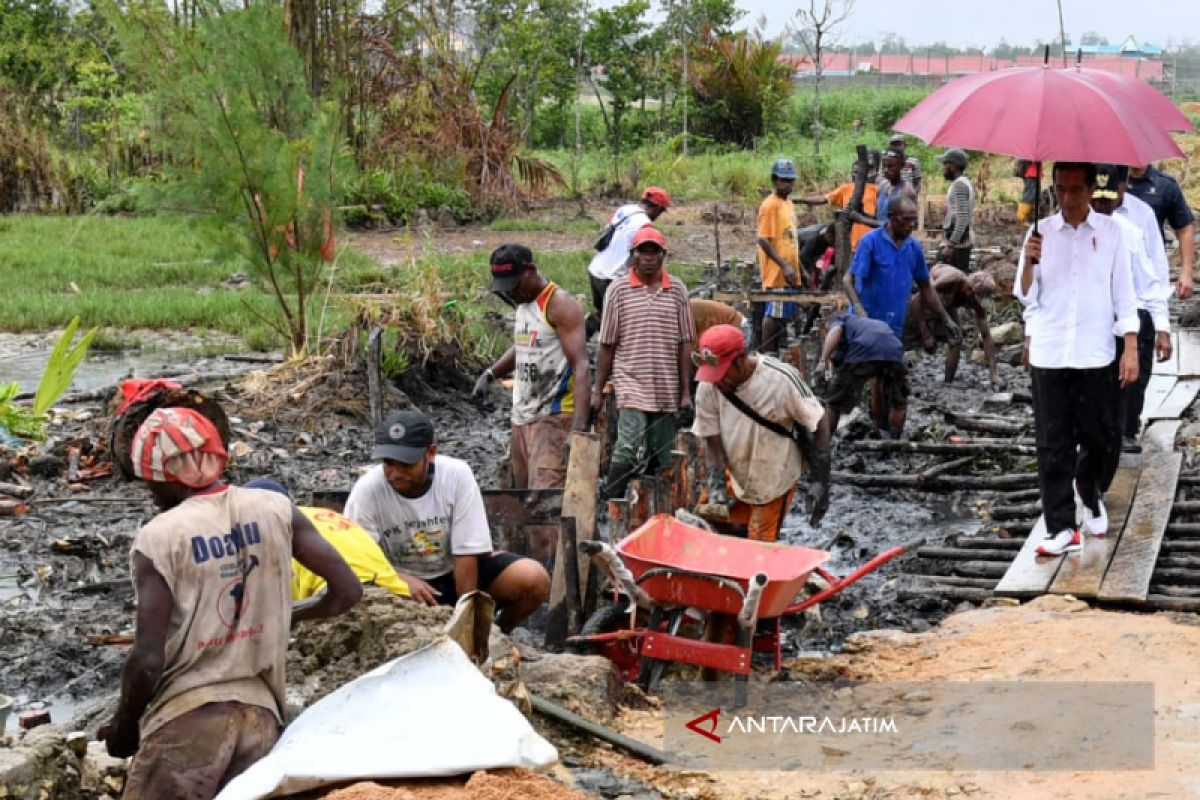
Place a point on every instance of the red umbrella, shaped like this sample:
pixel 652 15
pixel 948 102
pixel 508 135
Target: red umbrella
pixel 1154 105
pixel 1046 114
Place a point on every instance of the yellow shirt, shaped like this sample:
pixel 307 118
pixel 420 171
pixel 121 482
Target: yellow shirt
pixel 354 545
pixel 840 198
pixel 777 223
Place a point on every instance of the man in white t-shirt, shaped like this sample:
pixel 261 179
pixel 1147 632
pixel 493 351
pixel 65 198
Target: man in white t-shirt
pixel 427 513
pixel 613 261
pixel 746 409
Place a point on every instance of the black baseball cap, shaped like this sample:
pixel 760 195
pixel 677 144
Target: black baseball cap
pixel 509 262
pixel 1108 177
pixel 404 436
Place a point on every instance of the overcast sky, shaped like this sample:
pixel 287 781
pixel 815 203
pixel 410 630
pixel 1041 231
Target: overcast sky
pixel 982 23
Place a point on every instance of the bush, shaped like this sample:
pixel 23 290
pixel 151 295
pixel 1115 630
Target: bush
pixel 399 195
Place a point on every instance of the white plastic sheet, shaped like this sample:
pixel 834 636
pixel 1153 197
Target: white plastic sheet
pixel 429 713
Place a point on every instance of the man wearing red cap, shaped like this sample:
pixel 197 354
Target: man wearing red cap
pixel 612 260
pixel 202 692
pixel 645 340
pixel 747 407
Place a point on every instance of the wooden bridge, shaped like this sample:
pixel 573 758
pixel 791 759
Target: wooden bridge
pixel 1120 567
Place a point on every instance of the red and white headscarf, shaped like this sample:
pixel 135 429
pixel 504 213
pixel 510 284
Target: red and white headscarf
pixel 178 445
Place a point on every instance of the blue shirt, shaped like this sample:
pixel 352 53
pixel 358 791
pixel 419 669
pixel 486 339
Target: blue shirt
pixel 884 273
pixel 866 340
pixel 1162 194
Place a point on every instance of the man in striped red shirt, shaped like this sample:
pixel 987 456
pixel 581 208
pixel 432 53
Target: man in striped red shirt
pixel 645 347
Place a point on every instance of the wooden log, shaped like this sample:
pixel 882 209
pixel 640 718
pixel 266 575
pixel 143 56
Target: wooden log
pixel 954 580
pixel 964 554
pixel 955 593
pixel 1001 447
pixel 1162 602
pixel 1183 529
pixel 1185 508
pixel 1177 561
pixel 17 490
pixel 563 618
pixel 981 569
pixel 1189 480
pixel 934 474
pixel 1182 546
pixel 1022 511
pixel 375 374
pixel 947 482
pixel 1019 528
pixel 985 542
pixel 996 425
pixel 1178 577
pixel 1022 494
pixel 1175 591
pixel 580 492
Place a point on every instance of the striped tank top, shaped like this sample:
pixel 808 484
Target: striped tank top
pixel 543 381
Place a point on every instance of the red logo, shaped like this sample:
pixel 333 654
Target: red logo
pixel 697 725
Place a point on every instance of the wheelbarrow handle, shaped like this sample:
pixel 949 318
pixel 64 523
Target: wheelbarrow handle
pixel 748 616
pixel 604 555
pixel 912 544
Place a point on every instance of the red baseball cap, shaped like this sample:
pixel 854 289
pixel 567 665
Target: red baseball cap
pixel 719 346
pixel 657 196
pixel 648 233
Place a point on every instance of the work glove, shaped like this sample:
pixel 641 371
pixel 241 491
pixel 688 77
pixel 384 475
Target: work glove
pixel 818 489
pixel 953 332
pixel 481 386
pixel 685 416
pixel 716 487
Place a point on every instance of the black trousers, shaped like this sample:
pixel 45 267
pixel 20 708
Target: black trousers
pixel 1133 396
pixel 599 288
pixel 1077 415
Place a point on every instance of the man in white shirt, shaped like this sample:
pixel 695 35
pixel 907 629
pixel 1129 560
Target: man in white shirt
pixel 427 513
pixel 1076 273
pixel 613 260
pixel 1151 283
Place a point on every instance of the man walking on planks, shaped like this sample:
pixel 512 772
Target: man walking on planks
pixel 1075 278
pixel 1151 283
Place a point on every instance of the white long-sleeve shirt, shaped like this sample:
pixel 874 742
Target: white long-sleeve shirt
pixel 1153 286
pixel 1151 292
pixel 1082 283
pixel 610 262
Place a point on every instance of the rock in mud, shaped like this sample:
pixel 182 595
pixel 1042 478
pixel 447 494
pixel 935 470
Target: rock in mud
pixel 46 466
pixel 587 685
pixel 1008 333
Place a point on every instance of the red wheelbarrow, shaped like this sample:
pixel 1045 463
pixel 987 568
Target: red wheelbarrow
pixel 671 569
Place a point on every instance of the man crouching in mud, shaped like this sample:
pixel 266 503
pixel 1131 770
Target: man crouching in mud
pixel 202 691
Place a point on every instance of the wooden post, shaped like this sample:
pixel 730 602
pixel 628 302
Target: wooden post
pixel 375 375
pixel 563 619
pixel 579 498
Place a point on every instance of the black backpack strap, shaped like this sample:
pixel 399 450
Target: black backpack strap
pixel 773 427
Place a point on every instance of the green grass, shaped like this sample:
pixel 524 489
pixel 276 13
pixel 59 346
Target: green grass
pixel 572 226
pixel 157 272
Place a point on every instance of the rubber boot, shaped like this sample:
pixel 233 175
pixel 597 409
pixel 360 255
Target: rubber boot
pixel 616 482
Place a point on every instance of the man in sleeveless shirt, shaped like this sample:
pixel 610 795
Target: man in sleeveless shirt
pixel 549 365
pixel 202 693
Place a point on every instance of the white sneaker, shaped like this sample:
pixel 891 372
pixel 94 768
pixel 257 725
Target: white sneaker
pixel 1096 524
pixel 1064 541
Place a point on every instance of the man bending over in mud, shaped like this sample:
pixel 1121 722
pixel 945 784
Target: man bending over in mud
pixel 426 510
pixel 956 290
pixel 202 692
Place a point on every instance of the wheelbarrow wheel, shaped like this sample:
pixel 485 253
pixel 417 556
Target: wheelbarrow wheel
pixel 653 668
pixel 622 653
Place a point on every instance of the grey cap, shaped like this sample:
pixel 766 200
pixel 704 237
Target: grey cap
pixel 954 156
pixel 404 436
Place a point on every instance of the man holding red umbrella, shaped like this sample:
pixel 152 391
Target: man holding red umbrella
pixel 1075 278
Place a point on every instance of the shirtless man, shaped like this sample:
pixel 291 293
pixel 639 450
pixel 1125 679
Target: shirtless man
pixel 956 290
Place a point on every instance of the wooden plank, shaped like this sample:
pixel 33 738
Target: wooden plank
pixel 1160 437
pixel 1128 577
pixel 1157 390
pixel 1189 353
pixel 1082 572
pixel 579 496
pixel 1178 401
pixel 1171 365
pixel 1029 574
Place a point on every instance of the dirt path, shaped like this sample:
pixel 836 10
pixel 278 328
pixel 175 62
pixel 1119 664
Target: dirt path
pixel 1049 639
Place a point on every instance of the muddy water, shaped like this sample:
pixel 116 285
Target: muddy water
pixel 24 357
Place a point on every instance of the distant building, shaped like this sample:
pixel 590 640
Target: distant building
pixel 1128 58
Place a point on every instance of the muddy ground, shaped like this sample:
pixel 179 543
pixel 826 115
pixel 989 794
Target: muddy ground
pixel 63 573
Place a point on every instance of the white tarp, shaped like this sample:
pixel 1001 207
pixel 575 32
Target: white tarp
pixel 429 713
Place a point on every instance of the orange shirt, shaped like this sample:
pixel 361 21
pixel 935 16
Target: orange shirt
pixel 840 198
pixel 777 223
